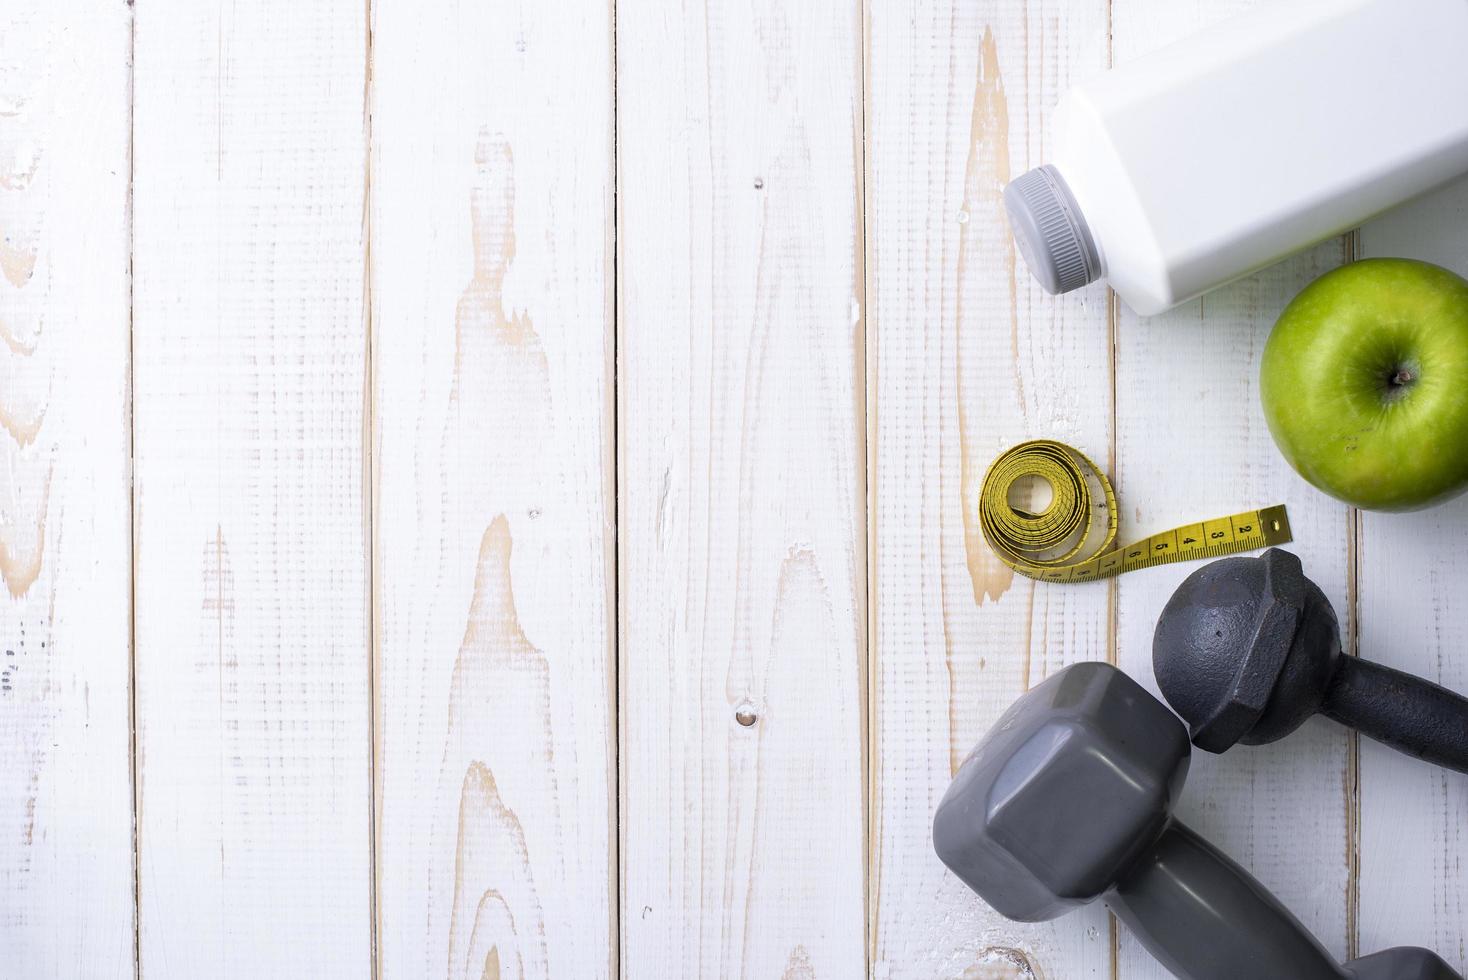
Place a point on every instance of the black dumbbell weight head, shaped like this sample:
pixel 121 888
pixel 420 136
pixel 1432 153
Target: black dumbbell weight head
pixel 1248 648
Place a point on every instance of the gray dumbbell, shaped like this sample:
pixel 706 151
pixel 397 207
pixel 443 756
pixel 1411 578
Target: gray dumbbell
pixel 1069 799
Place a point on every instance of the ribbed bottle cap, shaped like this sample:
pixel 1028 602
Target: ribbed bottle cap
pixel 1050 230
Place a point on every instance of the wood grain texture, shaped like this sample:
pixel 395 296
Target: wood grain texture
pixel 66 896
pixel 1191 445
pixel 250 350
pixel 491 223
pixel 741 519
pixel 968 357
pixel 398 509
pixel 1414 817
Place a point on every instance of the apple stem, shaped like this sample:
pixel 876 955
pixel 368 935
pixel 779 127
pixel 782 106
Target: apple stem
pixel 1397 380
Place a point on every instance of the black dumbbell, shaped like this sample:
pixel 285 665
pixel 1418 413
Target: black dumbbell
pixel 1248 648
pixel 1069 798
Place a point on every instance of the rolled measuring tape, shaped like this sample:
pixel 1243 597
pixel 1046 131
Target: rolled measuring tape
pixel 1048 545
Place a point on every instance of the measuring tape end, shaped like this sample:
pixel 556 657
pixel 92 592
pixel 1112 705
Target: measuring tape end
pixel 1276 524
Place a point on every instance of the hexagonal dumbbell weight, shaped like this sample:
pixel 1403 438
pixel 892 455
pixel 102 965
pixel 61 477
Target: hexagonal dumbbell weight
pixel 1248 648
pixel 1069 799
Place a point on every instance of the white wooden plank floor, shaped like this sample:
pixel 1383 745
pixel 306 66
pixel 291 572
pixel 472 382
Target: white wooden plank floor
pixel 488 490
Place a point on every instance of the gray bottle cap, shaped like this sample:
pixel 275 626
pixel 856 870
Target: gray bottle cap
pixel 1050 230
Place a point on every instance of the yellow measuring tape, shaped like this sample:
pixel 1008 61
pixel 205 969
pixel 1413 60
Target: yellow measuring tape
pixel 1046 545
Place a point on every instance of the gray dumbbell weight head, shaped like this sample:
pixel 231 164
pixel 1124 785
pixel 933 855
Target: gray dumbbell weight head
pixel 1069 799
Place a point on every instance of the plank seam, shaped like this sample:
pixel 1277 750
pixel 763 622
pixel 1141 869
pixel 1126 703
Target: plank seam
pixel 1351 248
pixel 369 504
pixel 132 504
pixel 868 664
pixel 616 898
pixel 1113 599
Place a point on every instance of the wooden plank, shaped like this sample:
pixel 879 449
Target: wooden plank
pixel 968 356
pixel 66 888
pixel 1192 444
pixel 491 226
pixel 252 582
pixel 741 488
pixel 1414 817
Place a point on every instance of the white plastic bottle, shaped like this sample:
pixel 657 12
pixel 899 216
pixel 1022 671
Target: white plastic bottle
pixel 1225 152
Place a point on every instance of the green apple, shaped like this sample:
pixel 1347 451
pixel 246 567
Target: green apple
pixel 1365 383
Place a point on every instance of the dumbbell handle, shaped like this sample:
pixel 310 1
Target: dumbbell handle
pixel 1206 918
pixel 1408 713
